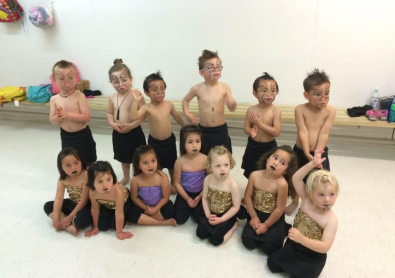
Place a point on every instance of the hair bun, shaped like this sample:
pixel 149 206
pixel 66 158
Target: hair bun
pixel 118 61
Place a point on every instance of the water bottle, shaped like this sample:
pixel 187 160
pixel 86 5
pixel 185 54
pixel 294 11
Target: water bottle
pixel 374 99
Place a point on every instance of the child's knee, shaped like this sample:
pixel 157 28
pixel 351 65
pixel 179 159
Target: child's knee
pixel 215 240
pixel 201 231
pixel 81 222
pixel 273 267
pixel 248 243
pixel 48 207
pixel 268 247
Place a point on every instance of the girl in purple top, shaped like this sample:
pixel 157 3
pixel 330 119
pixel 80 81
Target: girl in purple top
pixel 150 190
pixel 189 174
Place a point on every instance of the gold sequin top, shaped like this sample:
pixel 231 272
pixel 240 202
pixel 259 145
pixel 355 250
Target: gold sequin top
pixel 219 201
pixel 264 201
pixel 111 204
pixel 307 226
pixel 74 193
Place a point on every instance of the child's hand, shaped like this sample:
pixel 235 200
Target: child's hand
pixel 56 224
pixel 62 114
pixel 255 118
pixel 66 222
pixel 127 127
pixel 137 94
pixel 117 127
pixel 295 235
pixel 254 223
pixel 192 119
pixel 190 202
pixel 196 201
pixel 124 235
pixel 214 220
pixel 317 160
pixel 93 232
pixel 253 131
pixel 262 228
pixel 149 211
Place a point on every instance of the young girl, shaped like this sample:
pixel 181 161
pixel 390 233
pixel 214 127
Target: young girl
pixel 73 213
pixel 150 191
pixel 315 224
pixel 221 199
pixel 189 174
pixel 111 205
pixel 127 135
pixel 266 197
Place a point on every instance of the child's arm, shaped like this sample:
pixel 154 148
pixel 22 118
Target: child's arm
pixel 83 116
pixel 185 106
pixel 176 116
pixel 165 194
pixel 228 98
pixel 320 246
pixel 134 194
pixel 303 133
pixel 274 130
pixel 57 206
pixel 282 195
pixel 177 182
pixel 234 189
pixel 110 116
pixel 298 177
pixel 81 204
pixel 95 210
pixel 249 128
pixel 119 214
pixel 206 208
pixel 53 117
pixel 323 136
pixel 136 113
pixel 254 223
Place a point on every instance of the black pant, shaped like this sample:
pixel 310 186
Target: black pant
pixel 83 218
pixel 267 247
pixel 183 211
pixel 135 212
pixel 107 217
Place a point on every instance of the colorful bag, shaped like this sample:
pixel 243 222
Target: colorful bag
pixel 56 89
pixel 10 11
pixel 391 112
pixel 39 94
pixel 12 93
pixel 40 14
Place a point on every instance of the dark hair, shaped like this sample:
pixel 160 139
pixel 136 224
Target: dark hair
pixel 62 64
pixel 207 55
pixel 289 172
pixel 265 76
pixel 184 132
pixel 99 167
pixel 143 149
pixel 153 77
pixel 63 154
pixel 315 78
pixel 119 65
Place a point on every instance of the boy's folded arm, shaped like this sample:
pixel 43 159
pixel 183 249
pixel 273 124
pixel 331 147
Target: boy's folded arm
pixel 303 133
pixel 176 116
pixel 323 136
pixel 230 101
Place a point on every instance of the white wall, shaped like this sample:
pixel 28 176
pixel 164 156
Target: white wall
pixel 352 40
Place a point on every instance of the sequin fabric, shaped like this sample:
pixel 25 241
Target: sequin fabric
pixel 219 201
pixel 111 204
pixel 307 226
pixel 264 201
pixel 74 193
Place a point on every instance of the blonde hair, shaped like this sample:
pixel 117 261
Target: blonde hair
pixel 320 177
pixel 219 150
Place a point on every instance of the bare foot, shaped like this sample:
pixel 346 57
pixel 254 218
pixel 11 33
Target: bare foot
pixel 72 230
pixel 290 209
pixel 169 222
pixel 173 190
pixel 125 181
pixel 243 202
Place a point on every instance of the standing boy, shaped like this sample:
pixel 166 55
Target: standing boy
pixel 158 113
pixel 70 110
pixel 314 121
pixel 211 95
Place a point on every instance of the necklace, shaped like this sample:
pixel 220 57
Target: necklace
pixel 67 95
pixel 118 107
pixel 212 103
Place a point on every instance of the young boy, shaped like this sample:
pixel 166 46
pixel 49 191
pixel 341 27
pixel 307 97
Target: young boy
pixel 127 135
pixel 211 95
pixel 158 113
pixel 262 123
pixel 70 110
pixel 314 121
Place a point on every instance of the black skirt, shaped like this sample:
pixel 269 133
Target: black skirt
pixel 125 144
pixel 215 136
pixel 166 151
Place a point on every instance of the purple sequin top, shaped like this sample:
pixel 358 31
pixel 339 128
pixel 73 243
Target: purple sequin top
pixel 150 195
pixel 193 181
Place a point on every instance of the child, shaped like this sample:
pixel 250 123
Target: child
pixel 315 224
pixel 189 174
pixel 211 95
pixel 74 213
pixel 111 205
pixel 221 199
pixel 266 197
pixel 150 191
pixel 127 135
pixel 314 121
pixel 262 123
pixel 158 112
pixel 70 110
